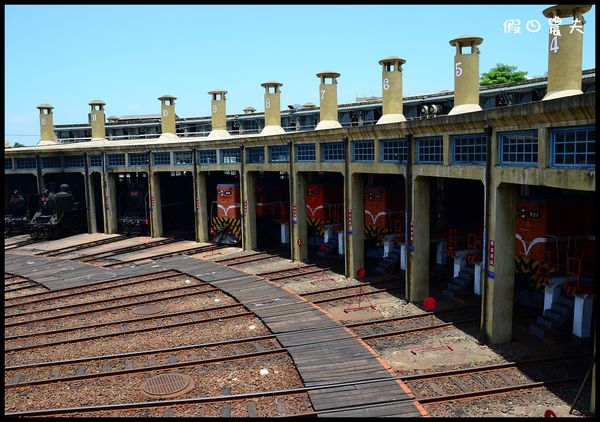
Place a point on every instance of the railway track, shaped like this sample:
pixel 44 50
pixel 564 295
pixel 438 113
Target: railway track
pixel 118 328
pixel 19 244
pixel 128 249
pixel 51 298
pixel 251 257
pixel 439 387
pixel 189 251
pixel 135 362
pixel 299 271
pixel 69 249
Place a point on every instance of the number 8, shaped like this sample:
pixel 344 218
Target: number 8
pixel 268 103
pixel 214 108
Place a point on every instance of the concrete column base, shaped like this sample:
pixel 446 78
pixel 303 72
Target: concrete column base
pixel 582 316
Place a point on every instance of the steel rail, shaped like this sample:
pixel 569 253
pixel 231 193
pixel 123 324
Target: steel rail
pixel 79 327
pixel 91 244
pixel 67 294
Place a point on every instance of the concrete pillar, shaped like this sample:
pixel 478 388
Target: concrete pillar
pixel 97 119
pixel 499 288
pixel 89 197
pixel 218 114
pixel 299 225
pixel 272 108
pixel 328 96
pixel 110 203
pixel 167 114
pixel 156 227
pixel 391 86
pixel 47 135
pixel 466 75
pixel 582 316
pixel 248 202
pixel 565 51
pixel 419 257
pixel 202 208
pixel 354 205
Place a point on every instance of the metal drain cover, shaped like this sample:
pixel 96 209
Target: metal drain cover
pixel 149 309
pixel 168 385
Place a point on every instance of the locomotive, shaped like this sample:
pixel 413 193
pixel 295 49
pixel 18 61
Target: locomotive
pixel 225 216
pixel 271 209
pixel 324 209
pixel 384 209
pixel 18 213
pixel 553 237
pixel 133 220
pixel 57 215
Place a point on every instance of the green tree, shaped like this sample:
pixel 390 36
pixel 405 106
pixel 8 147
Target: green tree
pixel 502 74
pixel 18 144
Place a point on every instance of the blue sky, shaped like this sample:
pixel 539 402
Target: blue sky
pixel 128 56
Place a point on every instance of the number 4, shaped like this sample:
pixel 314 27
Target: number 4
pixel 554 45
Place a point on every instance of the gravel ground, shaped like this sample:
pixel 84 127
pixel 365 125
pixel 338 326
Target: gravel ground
pixel 30 290
pixel 214 331
pixel 265 407
pixel 147 287
pixel 209 380
pixel 194 299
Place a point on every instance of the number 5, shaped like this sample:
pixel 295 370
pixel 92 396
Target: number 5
pixel 458 68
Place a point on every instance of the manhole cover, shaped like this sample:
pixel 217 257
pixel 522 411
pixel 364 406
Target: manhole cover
pixel 150 309
pixel 168 385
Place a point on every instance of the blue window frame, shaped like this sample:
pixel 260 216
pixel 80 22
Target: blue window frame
pixel 231 155
pixel 255 155
pixel 161 158
pixel 51 162
pixel 207 156
pixel 519 148
pixel 279 154
pixel 95 160
pixel 182 158
pixel 469 148
pixel 430 149
pixel 393 151
pixel 306 152
pixel 25 163
pixel 363 151
pixel 573 147
pixel 115 160
pixel 138 158
pixel 333 151
pixel 74 161
pixel 8 164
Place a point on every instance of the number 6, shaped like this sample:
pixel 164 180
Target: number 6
pixel 458 68
pixel 386 84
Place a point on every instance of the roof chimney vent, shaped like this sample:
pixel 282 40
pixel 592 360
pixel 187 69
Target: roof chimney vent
pixel 218 114
pixel 466 74
pixel 565 50
pixel 392 90
pixel 272 108
pixel 328 96
pixel 47 135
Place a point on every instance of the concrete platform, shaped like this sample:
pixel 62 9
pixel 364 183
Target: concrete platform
pixel 117 245
pixel 16 239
